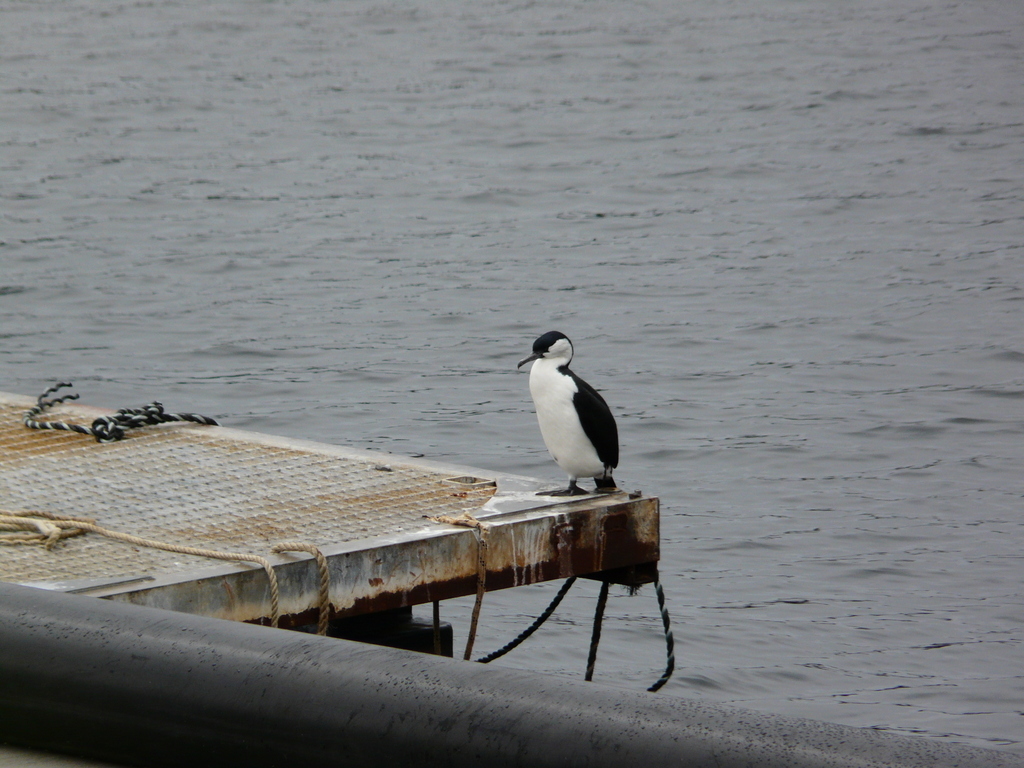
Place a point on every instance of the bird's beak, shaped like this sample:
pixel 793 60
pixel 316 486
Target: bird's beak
pixel 529 359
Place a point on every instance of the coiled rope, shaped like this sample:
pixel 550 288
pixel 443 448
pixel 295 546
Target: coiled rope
pixel 107 429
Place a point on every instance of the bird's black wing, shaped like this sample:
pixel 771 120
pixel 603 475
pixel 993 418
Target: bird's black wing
pixel 597 420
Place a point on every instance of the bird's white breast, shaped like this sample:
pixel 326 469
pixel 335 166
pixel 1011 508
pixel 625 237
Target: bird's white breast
pixel 560 425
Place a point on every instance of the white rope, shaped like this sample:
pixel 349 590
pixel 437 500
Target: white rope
pixel 45 529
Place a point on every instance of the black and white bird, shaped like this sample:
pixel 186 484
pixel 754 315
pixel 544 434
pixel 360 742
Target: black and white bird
pixel 576 423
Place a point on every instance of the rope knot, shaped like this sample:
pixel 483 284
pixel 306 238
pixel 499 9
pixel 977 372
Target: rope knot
pixel 39 528
pixel 106 429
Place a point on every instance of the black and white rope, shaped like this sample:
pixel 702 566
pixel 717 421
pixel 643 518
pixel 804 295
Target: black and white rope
pixel 107 429
pixel 533 627
pixel 595 639
pixel 670 643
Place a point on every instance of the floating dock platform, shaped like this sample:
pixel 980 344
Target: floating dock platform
pixel 228 490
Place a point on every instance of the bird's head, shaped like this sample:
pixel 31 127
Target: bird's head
pixel 553 345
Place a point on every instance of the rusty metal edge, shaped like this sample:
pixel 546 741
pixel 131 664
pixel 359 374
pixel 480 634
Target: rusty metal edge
pixel 437 565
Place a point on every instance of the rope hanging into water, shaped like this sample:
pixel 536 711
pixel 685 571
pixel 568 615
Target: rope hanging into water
pixel 670 643
pixel 533 627
pixel 468 521
pixel 107 429
pixel 595 638
pixel 602 601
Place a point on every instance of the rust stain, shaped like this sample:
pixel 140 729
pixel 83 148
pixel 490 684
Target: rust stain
pixel 452 572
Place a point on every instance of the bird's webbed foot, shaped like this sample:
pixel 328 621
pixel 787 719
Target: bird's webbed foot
pixel 572 490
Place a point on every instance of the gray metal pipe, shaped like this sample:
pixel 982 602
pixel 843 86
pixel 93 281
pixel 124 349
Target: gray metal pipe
pixel 154 688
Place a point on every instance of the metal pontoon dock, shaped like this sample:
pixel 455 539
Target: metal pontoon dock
pixel 225 489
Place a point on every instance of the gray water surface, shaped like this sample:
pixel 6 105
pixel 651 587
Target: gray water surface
pixel 786 238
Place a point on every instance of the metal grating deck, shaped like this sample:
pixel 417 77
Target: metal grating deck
pixel 197 486
pixel 237 491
